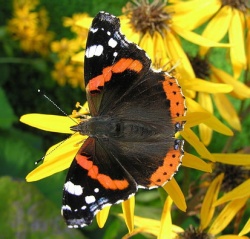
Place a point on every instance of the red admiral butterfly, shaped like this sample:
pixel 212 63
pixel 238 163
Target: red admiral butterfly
pixel 131 140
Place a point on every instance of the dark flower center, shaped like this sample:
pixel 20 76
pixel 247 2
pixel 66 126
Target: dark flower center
pixel 241 5
pixel 233 175
pixel 200 66
pixel 194 233
pixel 148 16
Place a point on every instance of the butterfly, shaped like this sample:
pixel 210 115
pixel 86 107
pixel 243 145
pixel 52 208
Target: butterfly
pixel 131 140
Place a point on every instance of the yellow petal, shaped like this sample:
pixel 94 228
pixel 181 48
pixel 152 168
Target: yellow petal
pixel 206 134
pixel 128 208
pixel 57 158
pixel 207 208
pixel 79 57
pixel 239 192
pixel 176 194
pixel 160 52
pixel 194 118
pixel 197 39
pixel 185 12
pixel 102 216
pixel 52 123
pixel 149 230
pixel 231 237
pixel 146 222
pixel 226 215
pixel 191 161
pixel 85 22
pixel 151 226
pixel 176 53
pixel 233 159
pixel 204 99
pixel 166 220
pixel 211 121
pixel 245 229
pixel 219 24
pixel 216 125
pixel 206 86
pixel 240 90
pixel 248 43
pixel 227 110
pixel 193 140
pixel 146 44
pixel 236 38
pixel 128 30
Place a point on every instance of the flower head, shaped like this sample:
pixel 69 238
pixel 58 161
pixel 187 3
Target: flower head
pixel 228 16
pixel 30 27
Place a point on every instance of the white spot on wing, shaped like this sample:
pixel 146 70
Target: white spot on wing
pixel 96 190
pixel 94 30
pixel 83 207
pixel 115 54
pixel 95 50
pixel 112 42
pixel 73 189
pixel 90 199
pixel 66 207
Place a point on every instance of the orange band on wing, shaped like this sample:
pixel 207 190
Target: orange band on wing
pixel 127 64
pixel 174 94
pixel 104 180
pixel 170 166
pixel 97 83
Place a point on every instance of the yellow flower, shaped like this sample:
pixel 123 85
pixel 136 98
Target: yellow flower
pixel 225 17
pixel 162 229
pixel 206 71
pixel 209 228
pixel 72 23
pixel 237 197
pixel 30 27
pixel 31 4
pixel 152 26
pixel 65 48
pixel 62 71
pixel 66 70
pixel 75 78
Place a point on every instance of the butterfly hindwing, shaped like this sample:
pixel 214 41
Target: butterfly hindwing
pixel 95 179
pixel 147 148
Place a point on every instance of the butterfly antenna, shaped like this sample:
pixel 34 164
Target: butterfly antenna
pixel 51 101
pixel 42 159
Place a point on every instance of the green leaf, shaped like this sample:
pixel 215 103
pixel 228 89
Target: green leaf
pixel 26 213
pixel 18 152
pixel 7 116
